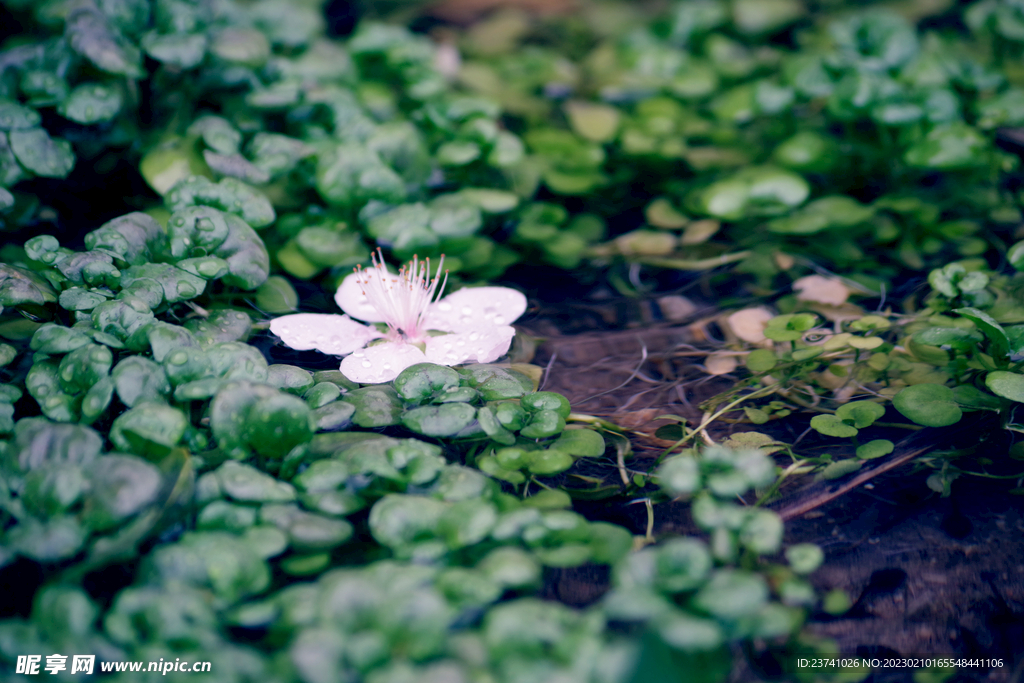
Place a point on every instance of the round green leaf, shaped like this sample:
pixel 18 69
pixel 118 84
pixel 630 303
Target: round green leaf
pixel 931 405
pixel 1006 384
pixel 425 381
pixel 549 462
pixel 580 442
pixel 446 419
pixel 91 103
pixel 543 423
pixel 861 413
pixel 831 425
pixel 804 558
pixel 875 449
pixel 732 594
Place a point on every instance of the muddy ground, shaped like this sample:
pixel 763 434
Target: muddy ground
pixel 927 575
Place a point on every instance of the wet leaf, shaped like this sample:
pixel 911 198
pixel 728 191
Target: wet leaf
pixel 149 429
pixel 548 462
pixel 229 195
pixel 56 539
pixel 19 286
pixel 218 561
pixel 91 35
pixel 376 406
pixel 120 487
pixel 246 484
pixel 399 520
pixel 447 419
pixel 14 116
pixel 91 103
pixel 306 532
pixel 181 50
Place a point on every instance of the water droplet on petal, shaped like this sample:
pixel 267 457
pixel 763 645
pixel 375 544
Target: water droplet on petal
pixel 444 306
pixel 466 310
pixel 367 364
pixel 473 336
pixel 499 320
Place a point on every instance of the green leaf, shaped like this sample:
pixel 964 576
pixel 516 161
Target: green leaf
pixel 447 419
pixel 41 154
pixel 1006 384
pixel 120 486
pixel 804 558
pixel 200 231
pixel 149 429
pixel 91 35
pixel 306 532
pixel 399 520
pixel 548 462
pixel 952 146
pixel 52 339
pixel 999 343
pixel 761 360
pixel 219 562
pixel 861 413
pixel 546 400
pixel 1015 255
pixel 594 122
pixel 14 116
pixel 38 442
pixel 681 564
pixel 931 405
pixel 222 325
pixel 277 423
pixel 580 442
pixel 831 425
pixel 247 484
pixel 376 406
pixel 680 475
pixel 56 539
pixel 466 523
pixel 762 532
pixel 131 238
pixel 425 381
pixel 230 195
pixel 50 491
pixel 181 50
pixel 289 378
pixel 875 449
pixel 91 103
pixel 789 327
pixel 970 397
pixel 732 594
pixel 19 286
pixel 543 423
pixel 840 468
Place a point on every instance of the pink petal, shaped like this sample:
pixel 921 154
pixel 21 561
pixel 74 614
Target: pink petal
pixel 482 345
pixel 334 334
pixel 350 298
pixel 381 363
pixel 474 308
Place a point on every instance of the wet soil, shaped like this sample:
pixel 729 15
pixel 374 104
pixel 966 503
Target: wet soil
pixel 927 575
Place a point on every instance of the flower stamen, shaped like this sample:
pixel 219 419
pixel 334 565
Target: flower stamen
pixel 402 300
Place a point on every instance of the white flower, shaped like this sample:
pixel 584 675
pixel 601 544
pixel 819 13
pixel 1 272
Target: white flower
pixel 477 319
